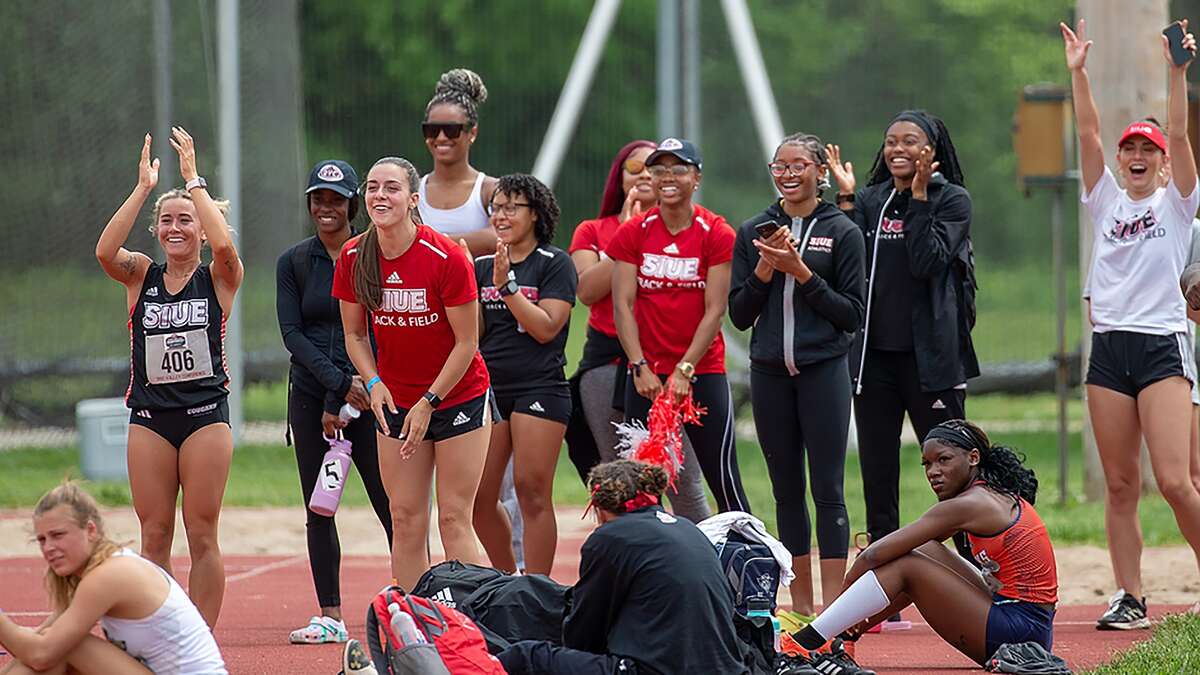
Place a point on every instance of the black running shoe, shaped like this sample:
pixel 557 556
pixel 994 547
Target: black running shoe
pixel 837 662
pixel 356 661
pixel 794 665
pixel 1125 612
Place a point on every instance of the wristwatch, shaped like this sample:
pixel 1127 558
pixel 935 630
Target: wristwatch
pixel 197 182
pixel 687 369
pixel 433 399
pixel 510 288
pixel 635 367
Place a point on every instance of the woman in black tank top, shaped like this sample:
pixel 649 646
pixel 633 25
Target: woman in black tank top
pixel 179 435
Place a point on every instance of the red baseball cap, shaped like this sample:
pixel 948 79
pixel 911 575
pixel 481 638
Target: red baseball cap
pixel 1146 130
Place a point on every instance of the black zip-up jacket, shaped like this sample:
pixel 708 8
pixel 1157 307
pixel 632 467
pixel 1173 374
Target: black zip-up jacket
pixel 937 237
pixel 818 318
pixel 651 589
pixel 311 324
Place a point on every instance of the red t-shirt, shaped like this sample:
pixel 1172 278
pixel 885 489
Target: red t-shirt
pixel 412 335
pixel 672 271
pixel 594 235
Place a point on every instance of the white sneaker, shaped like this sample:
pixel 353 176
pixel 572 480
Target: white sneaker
pixel 320 630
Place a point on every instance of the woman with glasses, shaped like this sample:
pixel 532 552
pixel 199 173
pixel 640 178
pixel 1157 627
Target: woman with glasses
pixel 526 291
pixel 798 280
pixel 599 384
pixel 670 292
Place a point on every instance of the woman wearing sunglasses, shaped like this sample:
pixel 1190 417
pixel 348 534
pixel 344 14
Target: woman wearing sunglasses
pixel 599 384
pixel 798 280
pixel 670 292
pixel 453 196
pixel 526 291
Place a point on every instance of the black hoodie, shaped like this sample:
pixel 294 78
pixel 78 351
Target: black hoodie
pixel 818 318
pixel 937 237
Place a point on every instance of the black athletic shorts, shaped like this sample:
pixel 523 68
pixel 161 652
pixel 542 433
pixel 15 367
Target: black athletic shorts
pixel 448 422
pixel 1129 362
pixel 177 424
pixel 553 405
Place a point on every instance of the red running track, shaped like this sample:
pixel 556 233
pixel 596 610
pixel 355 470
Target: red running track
pixel 268 596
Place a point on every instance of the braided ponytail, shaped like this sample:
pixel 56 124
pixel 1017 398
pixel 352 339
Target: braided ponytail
pixel 462 87
pixel 1001 467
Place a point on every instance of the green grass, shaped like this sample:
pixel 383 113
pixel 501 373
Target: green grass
pixel 1175 648
pixel 266 476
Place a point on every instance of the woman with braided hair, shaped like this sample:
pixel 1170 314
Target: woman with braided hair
pixel 651 595
pixel 985 492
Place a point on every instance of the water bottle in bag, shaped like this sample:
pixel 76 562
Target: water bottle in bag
pixel 327 493
pixel 403 626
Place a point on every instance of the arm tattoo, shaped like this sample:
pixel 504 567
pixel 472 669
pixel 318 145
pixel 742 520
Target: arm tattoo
pixel 128 265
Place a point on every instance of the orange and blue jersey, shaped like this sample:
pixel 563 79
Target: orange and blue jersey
pixel 1019 557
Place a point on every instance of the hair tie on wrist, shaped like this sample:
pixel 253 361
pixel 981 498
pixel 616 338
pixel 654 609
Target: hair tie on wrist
pixel 371 383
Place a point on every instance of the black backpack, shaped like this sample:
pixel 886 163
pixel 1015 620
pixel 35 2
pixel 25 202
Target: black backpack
pixel 751 569
pixel 511 609
pixel 451 582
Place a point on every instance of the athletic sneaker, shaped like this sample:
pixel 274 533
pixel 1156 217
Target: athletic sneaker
pixel 837 662
pixel 356 661
pixel 794 665
pixel 320 630
pixel 1125 612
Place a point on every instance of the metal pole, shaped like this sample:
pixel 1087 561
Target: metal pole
pixel 228 151
pixel 1060 371
pixel 668 74
pixel 575 90
pixel 754 75
pixel 690 64
pixel 161 148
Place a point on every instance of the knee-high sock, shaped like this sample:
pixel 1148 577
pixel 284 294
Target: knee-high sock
pixel 864 599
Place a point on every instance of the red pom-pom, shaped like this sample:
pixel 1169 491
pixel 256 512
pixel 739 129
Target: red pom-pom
pixel 663 445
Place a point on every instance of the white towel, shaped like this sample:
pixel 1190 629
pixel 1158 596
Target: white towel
pixel 717 528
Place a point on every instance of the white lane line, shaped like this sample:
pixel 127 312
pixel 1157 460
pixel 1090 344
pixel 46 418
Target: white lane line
pixel 263 569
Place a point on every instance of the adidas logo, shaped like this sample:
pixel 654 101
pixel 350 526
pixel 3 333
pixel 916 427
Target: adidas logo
pixel 938 405
pixel 460 418
pixel 671 248
pixel 144 413
pixel 536 406
pixel 152 292
pixel 393 278
pixel 443 596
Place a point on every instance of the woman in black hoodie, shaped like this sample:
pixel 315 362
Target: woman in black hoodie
pixel 798 279
pixel 914 353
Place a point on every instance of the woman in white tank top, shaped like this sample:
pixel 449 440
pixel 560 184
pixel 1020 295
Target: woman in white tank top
pixel 151 625
pixel 454 197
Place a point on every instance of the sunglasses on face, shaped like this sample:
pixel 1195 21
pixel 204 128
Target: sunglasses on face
pixel 659 171
pixel 451 130
pixel 798 167
pixel 509 209
pixel 634 166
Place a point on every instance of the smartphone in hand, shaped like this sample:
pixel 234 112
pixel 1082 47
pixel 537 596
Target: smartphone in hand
pixel 766 229
pixel 1174 34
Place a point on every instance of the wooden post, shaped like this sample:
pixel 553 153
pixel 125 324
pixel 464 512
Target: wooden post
pixel 1129 81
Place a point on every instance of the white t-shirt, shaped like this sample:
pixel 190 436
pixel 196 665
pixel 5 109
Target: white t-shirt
pixel 1139 251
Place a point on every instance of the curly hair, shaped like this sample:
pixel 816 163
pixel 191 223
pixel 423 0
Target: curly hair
pixel 541 200
pixel 614 483
pixel 815 149
pixel 462 87
pixel 1001 467
pixel 939 139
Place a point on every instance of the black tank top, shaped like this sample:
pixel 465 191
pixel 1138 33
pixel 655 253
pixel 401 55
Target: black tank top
pixel 177 344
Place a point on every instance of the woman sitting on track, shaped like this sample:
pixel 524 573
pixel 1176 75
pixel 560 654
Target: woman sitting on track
pixel 651 596
pixel 985 492
pixel 429 387
pixel 151 625
pixel 526 289
pixel 179 434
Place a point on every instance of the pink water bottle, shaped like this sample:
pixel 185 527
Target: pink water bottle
pixel 327 493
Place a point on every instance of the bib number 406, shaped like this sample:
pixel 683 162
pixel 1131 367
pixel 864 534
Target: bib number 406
pixel 178 361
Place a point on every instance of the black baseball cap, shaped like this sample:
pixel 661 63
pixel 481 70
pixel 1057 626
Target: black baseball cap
pixel 684 149
pixel 333 174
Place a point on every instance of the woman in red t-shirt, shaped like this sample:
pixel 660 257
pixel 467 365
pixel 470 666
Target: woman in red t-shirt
pixel 415 288
pixel 599 384
pixel 670 291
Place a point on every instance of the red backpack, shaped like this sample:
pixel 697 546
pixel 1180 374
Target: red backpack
pixel 458 640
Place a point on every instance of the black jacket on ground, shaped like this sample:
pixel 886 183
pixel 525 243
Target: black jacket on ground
pixel 937 236
pixel 823 313
pixel 311 324
pixel 651 589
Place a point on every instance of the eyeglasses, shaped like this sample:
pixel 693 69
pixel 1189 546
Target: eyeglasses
pixel 634 166
pixel 659 171
pixel 797 167
pixel 452 130
pixel 509 209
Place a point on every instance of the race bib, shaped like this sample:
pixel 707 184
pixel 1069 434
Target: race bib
pixel 178 357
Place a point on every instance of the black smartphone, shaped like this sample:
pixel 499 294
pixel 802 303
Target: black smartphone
pixel 765 230
pixel 1174 34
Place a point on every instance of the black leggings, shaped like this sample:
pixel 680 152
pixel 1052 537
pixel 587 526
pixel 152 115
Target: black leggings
pixel 713 439
pixel 808 412
pixel 892 387
pixel 324 550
